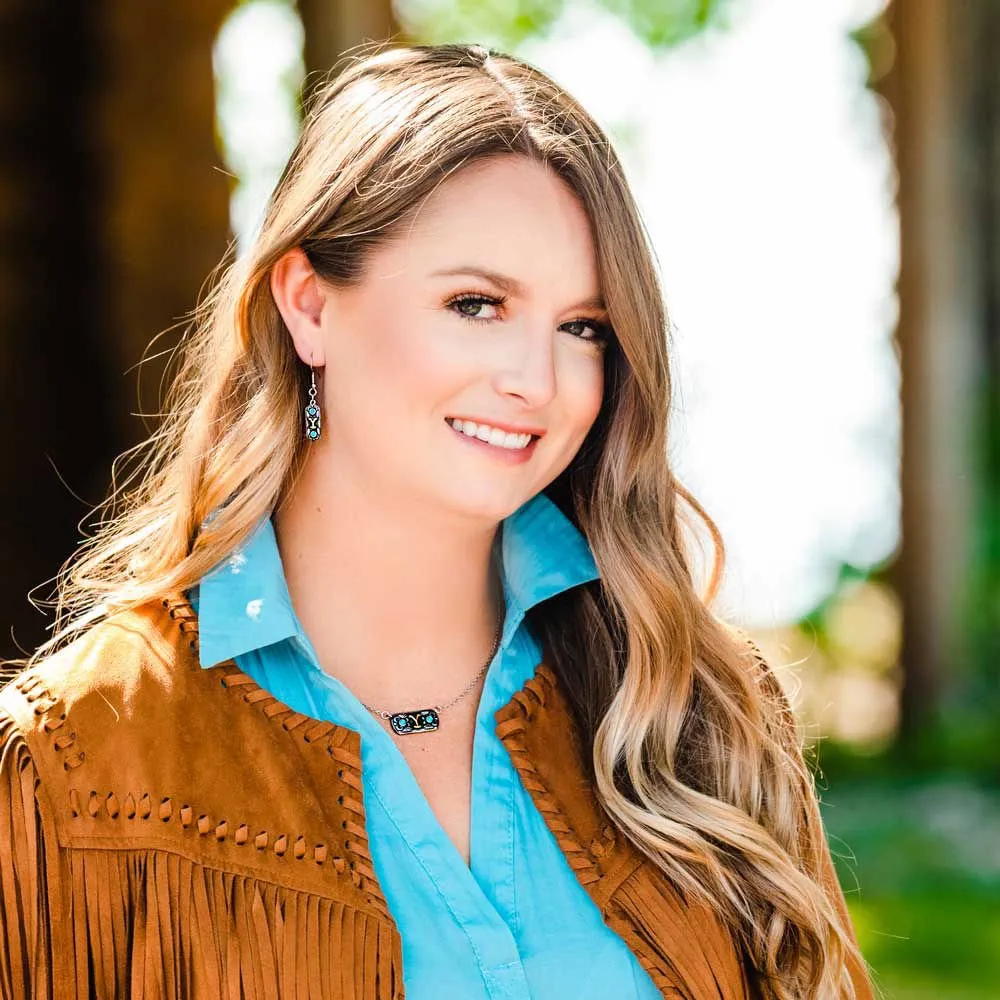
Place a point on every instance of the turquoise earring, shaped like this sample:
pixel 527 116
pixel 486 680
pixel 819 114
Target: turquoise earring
pixel 313 415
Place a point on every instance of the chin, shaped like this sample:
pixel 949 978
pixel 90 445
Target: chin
pixel 488 508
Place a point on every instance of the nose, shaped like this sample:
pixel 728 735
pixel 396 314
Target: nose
pixel 529 368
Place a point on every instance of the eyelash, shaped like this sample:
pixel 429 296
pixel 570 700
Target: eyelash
pixel 602 331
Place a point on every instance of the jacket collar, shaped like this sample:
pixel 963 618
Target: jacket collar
pixel 244 604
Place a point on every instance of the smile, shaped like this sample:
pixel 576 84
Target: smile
pixel 492 435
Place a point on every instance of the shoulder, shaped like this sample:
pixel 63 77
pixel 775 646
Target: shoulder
pixel 121 741
pixel 112 659
pixel 124 721
pixel 106 698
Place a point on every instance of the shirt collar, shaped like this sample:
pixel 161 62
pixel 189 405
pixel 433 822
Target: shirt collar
pixel 243 603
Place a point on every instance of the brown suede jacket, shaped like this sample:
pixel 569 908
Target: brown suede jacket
pixel 171 831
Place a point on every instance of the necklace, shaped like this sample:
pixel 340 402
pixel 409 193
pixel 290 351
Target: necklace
pixel 427 720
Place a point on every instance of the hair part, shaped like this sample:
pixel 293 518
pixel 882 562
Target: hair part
pixel 694 752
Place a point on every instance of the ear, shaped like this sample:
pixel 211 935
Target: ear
pixel 299 297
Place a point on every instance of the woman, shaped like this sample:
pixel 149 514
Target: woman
pixel 391 672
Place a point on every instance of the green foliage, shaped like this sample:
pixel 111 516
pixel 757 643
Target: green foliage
pixel 499 24
pixel 921 873
pixel 965 745
pixel 663 23
pixel 944 946
pixel 506 24
pixel 875 40
pixel 981 621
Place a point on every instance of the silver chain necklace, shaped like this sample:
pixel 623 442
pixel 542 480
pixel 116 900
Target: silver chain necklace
pixel 427 720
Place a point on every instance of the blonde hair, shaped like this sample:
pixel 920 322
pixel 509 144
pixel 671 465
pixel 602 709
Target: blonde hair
pixel 695 754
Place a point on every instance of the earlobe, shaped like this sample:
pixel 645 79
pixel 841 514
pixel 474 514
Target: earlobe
pixel 299 298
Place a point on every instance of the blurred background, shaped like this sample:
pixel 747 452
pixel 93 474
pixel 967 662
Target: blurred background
pixel 822 184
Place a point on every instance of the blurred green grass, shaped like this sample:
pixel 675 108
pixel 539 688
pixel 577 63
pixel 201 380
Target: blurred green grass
pixel 920 865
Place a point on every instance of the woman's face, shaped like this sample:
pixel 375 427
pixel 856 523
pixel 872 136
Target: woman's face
pixel 486 310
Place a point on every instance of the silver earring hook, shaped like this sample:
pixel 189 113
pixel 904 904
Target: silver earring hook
pixel 313 415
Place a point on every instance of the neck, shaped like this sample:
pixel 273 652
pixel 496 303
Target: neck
pixel 400 602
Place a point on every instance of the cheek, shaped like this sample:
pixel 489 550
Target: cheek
pixel 426 372
pixel 397 364
pixel 583 392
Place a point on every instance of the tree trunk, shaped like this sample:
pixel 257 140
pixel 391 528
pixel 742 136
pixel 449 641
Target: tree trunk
pixel 112 213
pixel 939 336
pixel 333 28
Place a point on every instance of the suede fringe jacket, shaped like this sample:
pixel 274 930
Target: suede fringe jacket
pixel 173 831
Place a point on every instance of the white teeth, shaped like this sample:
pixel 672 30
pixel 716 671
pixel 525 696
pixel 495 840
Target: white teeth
pixel 492 435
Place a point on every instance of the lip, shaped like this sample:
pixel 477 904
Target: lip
pixel 509 456
pixel 500 426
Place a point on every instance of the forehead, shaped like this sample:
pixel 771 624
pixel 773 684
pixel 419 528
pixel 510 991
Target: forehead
pixel 507 214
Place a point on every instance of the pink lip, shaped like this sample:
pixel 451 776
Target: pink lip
pixel 510 456
pixel 508 428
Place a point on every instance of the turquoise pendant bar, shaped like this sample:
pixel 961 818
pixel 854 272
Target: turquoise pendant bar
pixel 420 720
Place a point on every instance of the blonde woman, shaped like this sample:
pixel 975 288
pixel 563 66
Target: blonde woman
pixel 389 675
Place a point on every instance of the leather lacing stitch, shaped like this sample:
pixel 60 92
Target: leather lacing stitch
pixel 52 712
pixel 182 613
pixel 512 724
pixel 354 860
pixel 145 807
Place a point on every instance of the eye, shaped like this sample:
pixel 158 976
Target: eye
pixel 469 307
pixel 599 332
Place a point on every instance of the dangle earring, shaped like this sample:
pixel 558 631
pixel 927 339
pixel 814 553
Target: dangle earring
pixel 313 416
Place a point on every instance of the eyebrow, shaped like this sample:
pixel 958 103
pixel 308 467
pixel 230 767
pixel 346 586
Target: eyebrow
pixel 511 285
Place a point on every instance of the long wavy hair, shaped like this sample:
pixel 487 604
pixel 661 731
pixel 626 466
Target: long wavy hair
pixel 695 754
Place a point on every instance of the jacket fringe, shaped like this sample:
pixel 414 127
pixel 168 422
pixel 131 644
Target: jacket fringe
pixel 23 904
pixel 148 923
pixel 647 911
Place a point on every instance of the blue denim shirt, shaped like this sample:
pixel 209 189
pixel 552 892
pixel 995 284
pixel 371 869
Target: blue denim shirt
pixel 500 927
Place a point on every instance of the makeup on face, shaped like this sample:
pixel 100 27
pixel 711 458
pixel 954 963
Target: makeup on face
pixel 485 323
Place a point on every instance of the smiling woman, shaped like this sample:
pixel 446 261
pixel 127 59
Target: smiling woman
pixel 390 675
pixel 511 340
